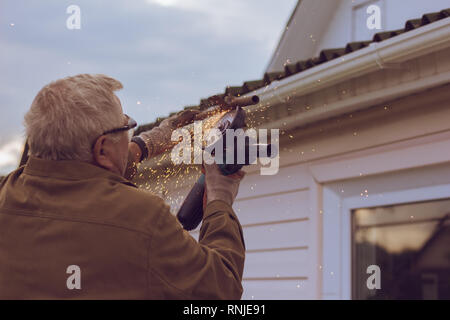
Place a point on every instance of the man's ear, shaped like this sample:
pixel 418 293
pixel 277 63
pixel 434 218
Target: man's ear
pixel 102 153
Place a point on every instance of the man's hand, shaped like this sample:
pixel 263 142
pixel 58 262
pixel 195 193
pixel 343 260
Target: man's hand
pixel 158 140
pixel 181 119
pixel 219 186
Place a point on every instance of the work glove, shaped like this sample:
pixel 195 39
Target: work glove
pixel 219 186
pixel 158 140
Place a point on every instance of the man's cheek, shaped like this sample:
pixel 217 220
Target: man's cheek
pixel 124 161
pixel 124 155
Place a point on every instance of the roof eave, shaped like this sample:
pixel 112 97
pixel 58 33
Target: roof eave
pixel 385 54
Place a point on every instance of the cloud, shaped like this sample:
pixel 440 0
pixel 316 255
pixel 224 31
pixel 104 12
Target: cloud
pixel 167 3
pixel 208 6
pixel 237 20
pixel 168 54
pixel 10 154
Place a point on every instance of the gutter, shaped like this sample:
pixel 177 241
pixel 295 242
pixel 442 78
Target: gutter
pixel 390 53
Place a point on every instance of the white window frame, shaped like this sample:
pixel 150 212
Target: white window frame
pixel 337 269
pixel 390 198
pixel 423 154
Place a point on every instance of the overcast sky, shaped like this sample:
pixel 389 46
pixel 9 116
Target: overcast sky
pixel 167 53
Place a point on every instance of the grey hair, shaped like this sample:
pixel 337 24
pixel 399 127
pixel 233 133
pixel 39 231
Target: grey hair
pixel 67 115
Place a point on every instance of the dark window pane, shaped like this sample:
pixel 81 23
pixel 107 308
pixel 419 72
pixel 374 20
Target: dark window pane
pixel 410 243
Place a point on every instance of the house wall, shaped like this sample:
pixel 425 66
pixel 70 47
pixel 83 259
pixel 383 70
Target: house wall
pixel 289 254
pixel 298 256
pixel 394 14
pixel 310 18
pixel 295 229
pixel 326 24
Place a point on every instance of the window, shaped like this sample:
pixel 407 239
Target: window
pixel 410 245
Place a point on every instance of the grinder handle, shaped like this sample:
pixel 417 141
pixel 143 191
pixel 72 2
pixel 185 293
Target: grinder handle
pixel 191 212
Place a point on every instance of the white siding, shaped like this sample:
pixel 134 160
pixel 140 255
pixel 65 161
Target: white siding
pixel 282 214
pixel 327 24
pixel 292 205
pixel 286 263
pixel 276 223
pixel 275 212
pixel 286 223
pixel 394 16
pixel 277 289
pixel 276 236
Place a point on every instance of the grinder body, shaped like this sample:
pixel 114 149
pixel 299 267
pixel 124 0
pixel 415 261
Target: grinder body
pixel 190 214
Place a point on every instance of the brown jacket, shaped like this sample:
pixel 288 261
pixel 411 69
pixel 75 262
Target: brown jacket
pixel 55 214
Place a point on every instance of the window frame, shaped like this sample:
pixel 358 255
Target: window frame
pixel 343 238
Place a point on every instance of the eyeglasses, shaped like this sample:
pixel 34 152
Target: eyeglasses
pixel 130 125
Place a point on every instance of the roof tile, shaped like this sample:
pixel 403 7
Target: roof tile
pixel 253 85
pixel 354 46
pixel 330 54
pixel 413 24
pixel 234 91
pixel 431 17
pixel 272 76
pixel 380 36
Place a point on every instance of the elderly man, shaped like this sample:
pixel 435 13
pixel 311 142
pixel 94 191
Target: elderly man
pixel 71 225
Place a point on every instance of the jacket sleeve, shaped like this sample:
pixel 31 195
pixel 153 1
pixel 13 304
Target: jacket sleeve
pixel 209 269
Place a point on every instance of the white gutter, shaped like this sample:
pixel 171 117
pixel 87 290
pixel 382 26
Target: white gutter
pixel 390 53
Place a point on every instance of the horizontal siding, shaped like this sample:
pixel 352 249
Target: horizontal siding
pixel 276 236
pixel 280 207
pixel 286 180
pixel 282 289
pixel 276 264
pixel 274 212
pixel 276 230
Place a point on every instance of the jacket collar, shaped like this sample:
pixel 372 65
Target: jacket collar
pixel 70 170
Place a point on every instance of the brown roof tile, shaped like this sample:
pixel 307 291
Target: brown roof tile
pixel 252 85
pixel 413 24
pixel 272 76
pixel 354 46
pixel 380 36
